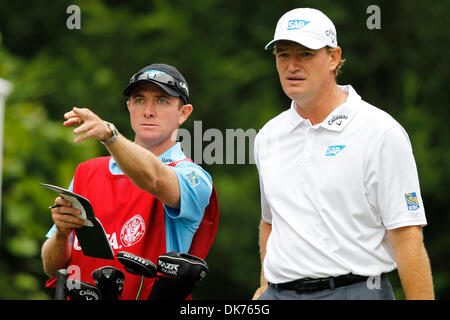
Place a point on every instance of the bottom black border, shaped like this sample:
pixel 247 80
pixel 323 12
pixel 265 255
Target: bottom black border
pixel 223 309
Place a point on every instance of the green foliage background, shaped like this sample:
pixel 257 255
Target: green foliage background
pixel 219 46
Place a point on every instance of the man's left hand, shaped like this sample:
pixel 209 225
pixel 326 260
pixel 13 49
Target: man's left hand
pixel 89 125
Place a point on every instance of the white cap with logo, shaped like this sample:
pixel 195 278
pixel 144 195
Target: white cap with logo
pixel 308 27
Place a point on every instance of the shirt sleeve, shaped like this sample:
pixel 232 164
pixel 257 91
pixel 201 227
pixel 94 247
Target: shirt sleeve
pixel 266 214
pixel 392 182
pixel 195 192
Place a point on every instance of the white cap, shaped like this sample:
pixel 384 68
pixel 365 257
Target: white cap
pixel 308 27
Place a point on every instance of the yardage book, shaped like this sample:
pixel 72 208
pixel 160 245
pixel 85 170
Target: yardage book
pixel 91 236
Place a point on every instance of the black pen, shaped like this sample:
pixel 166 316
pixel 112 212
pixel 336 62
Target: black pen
pixel 55 206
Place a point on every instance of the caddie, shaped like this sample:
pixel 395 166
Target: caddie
pixel 149 198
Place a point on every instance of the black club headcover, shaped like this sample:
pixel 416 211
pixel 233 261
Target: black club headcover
pixel 178 275
pixel 83 291
pixel 109 281
pixel 136 265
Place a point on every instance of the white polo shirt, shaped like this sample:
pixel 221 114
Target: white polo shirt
pixel 331 190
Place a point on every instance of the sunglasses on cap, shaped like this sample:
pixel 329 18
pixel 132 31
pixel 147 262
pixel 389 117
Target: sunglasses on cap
pixel 163 78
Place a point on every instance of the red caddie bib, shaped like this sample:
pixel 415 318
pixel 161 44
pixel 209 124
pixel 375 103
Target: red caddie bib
pixel 133 220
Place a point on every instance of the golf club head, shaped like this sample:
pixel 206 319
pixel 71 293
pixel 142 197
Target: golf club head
pixel 83 291
pixel 109 281
pixel 137 265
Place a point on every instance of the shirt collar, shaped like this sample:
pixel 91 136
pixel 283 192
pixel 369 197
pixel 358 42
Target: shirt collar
pixel 337 120
pixel 172 154
pixel 294 118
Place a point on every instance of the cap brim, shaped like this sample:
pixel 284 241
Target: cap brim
pixel 310 43
pixel 129 88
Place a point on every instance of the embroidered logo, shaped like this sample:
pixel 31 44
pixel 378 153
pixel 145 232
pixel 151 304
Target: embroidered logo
pixel 166 160
pixel 337 119
pixel 411 201
pixel 297 24
pixel 132 231
pixel 332 35
pixel 333 150
pixel 192 179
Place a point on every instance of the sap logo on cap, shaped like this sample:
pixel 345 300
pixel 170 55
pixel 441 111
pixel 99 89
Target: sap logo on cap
pixel 297 24
pixel 333 150
pixel 411 201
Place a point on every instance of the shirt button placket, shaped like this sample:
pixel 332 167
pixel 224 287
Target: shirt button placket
pixel 308 145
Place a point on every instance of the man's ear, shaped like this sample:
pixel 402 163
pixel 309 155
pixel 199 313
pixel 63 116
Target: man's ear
pixel 128 105
pixel 184 112
pixel 335 57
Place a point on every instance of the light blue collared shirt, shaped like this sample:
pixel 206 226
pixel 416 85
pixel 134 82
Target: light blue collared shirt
pixel 195 191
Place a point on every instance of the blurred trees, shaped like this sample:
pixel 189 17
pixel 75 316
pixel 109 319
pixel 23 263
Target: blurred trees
pixel 219 46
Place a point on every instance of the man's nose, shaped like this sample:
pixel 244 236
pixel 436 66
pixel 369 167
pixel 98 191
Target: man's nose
pixel 294 64
pixel 149 110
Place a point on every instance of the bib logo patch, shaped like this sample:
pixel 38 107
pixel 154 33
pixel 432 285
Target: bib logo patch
pixel 132 231
pixel 411 201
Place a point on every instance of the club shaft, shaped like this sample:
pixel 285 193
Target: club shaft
pixel 61 284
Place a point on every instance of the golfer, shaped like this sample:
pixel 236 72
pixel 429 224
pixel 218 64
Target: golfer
pixel 340 195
